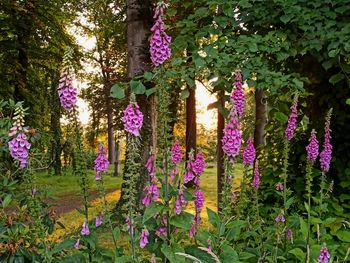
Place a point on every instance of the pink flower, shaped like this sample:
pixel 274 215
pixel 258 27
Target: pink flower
pixel 152 194
pixel 292 121
pixel 101 162
pixel 279 187
pixel 153 259
pixel 176 155
pixel 144 238
pixel 199 200
pixel 231 141
pixel 182 199
pixel 150 165
pixel 324 256
pixel 161 231
pixel 193 229
pixel 326 154
pixel 66 92
pixel 85 231
pixel 199 164
pixel 177 206
pixel 19 149
pixel 159 44
pixel 237 96
pixel 133 119
pixel 210 248
pixel 77 244
pixel 280 218
pixel 249 153
pixel 312 147
pixel 290 234
pixel 256 178
pixel 188 176
pixel 98 220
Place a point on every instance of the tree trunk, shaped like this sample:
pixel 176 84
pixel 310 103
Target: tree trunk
pixel 56 127
pixel 191 123
pixel 139 21
pixel 110 130
pixel 260 119
pixel 116 159
pixel 219 150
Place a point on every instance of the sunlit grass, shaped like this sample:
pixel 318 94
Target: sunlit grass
pixel 68 185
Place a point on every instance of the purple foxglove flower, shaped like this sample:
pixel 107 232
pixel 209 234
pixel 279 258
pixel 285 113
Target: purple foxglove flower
pixel 292 121
pixel 199 164
pixel 101 162
pixel 144 238
pixel 133 119
pixel 249 153
pixel 159 44
pixel 326 154
pixel 152 193
pixel 85 231
pixel 280 218
pixel 193 229
pixel 199 200
pixel 176 155
pixel 210 248
pixel 188 176
pixel 237 96
pixel 98 220
pixel 77 244
pixel 19 149
pixel 182 199
pixel 279 187
pixel 153 259
pixel 290 234
pixel 312 147
pixel 324 256
pixel 66 92
pixel 256 178
pixel 150 165
pixel 177 206
pixel 34 192
pixel 161 231
pixel 231 141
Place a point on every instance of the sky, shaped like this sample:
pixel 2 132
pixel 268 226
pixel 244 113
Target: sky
pixel 203 96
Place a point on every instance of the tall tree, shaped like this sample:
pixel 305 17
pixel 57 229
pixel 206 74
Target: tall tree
pixel 191 122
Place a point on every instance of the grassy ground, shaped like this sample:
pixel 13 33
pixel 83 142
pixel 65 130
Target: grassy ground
pixel 66 191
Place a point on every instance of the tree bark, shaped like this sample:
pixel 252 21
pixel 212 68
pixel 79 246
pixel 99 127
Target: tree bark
pixel 260 119
pixel 110 132
pixel 219 150
pixel 139 21
pixel 191 122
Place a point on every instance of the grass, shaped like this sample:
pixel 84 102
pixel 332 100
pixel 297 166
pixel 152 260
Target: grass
pixel 67 186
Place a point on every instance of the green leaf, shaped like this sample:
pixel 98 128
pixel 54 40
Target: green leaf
pixel 213 217
pixel 298 253
pixel 228 254
pixel 303 227
pixel 148 75
pixel 348 101
pixel 246 255
pixel 7 200
pixel 281 117
pixel 150 91
pixel 344 235
pixel 336 78
pixel 170 254
pixel 137 87
pixel 182 220
pixel 117 91
pixel 299 84
pixel 286 18
pixel 151 211
pixel 185 94
pixel 333 53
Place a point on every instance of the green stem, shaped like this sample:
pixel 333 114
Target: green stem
pixel 308 189
pixel 285 174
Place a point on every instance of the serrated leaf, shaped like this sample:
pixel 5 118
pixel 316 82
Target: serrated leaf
pixel 117 91
pixel 151 211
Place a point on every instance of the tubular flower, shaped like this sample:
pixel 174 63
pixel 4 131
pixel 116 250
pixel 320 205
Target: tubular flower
pixel 324 256
pixel 144 238
pixel 231 142
pixel 237 95
pixel 85 231
pixel 290 234
pixel 292 121
pixel 199 200
pixel 133 119
pixel 326 154
pixel 189 174
pixel 160 41
pixel 180 203
pixel 98 220
pixel 280 218
pixel 150 165
pixel 77 244
pixel 312 148
pixel 19 149
pixel 199 164
pixel 66 91
pixel 279 187
pixel 151 195
pixel 256 178
pixel 249 153
pixel 101 162
pixel 176 155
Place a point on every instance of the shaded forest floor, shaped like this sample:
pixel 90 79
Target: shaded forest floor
pixel 63 194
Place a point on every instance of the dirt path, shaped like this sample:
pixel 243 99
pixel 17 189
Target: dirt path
pixel 63 204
